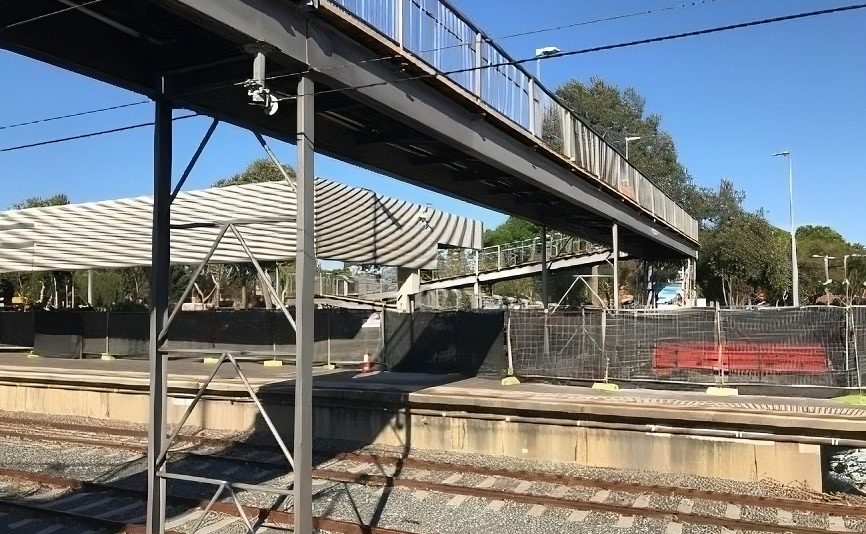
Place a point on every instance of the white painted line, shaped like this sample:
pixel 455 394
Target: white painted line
pixel 179 520
pixel 785 518
pixel 453 478
pixel 624 521
pixel 495 506
pixel 537 510
pixel 91 505
pixel 121 510
pixel 726 530
pixel 420 494
pixel 487 483
pixel 560 492
pixel 19 524
pixel 578 515
pixel 642 501
pixel 457 500
pixel 837 524
pixel 685 506
pixel 600 496
pixel 49 530
pixel 674 528
pixel 218 526
pixel 732 511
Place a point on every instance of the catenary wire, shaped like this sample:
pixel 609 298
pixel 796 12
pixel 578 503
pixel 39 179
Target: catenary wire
pixel 47 15
pixel 384 58
pixel 670 37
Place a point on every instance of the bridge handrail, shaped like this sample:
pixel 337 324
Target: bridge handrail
pixel 513 254
pixel 444 38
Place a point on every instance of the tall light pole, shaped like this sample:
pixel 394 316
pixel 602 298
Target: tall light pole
pixel 627 140
pixel 795 275
pixel 540 53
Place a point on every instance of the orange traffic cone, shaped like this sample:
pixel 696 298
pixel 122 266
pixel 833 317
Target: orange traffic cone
pixel 366 366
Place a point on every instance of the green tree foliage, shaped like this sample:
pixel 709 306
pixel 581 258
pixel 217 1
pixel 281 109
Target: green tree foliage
pixel 743 256
pixel 821 241
pixel 513 229
pixel 619 113
pixel 238 281
pixel 36 288
pixel 259 170
pixel 41 202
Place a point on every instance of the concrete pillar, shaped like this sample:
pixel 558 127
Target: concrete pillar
pixel 593 284
pixel 90 287
pixel 409 281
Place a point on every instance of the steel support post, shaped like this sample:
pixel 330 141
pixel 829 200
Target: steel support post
pixel 545 289
pixel 90 287
pixel 159 283
pixel 476 285
pixel 615 266
pixel 304 306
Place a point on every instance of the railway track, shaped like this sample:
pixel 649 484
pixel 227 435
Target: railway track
pixel 489 488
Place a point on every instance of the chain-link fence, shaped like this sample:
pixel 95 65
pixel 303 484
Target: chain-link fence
pixel 808 346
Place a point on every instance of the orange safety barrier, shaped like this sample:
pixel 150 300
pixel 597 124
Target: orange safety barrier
pixel 767 357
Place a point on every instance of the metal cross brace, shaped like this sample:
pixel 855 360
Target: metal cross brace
pixel 225 356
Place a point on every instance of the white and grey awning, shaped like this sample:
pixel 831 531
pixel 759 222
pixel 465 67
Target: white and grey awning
pixel 352 225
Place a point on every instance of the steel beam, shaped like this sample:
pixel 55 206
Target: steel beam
pixel 159 287
pixel 615 237
pixel 341 62
pixel 304 307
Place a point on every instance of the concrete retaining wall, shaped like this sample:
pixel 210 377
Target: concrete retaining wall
pixel 736 459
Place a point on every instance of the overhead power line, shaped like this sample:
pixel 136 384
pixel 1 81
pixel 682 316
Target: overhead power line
pixel 602 48
pixel 91 134
pixel 47 15
pixel 628 44
pixel 70 115
pixel 384 58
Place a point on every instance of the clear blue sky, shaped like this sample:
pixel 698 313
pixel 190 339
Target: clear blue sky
pixel 730 100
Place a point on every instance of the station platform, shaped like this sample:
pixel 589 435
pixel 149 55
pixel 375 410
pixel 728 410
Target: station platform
pixel 745 437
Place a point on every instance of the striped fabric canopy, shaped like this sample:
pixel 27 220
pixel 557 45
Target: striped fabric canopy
pixel 352 225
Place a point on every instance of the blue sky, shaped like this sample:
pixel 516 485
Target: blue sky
pixel 729 100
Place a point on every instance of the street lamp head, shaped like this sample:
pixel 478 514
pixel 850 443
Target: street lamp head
pixel 547 51
pixel 633 138
pixel 786 153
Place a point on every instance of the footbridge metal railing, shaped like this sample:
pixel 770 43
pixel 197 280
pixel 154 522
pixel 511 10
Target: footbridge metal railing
pixel 438 34
pixel 510 255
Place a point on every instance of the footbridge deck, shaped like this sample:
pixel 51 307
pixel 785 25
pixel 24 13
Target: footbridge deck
pixel 412 90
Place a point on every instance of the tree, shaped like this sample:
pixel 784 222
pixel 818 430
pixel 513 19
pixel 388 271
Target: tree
pixel 619 113
pixel 41 202
pixel 743 256
pixel 38 288
pixel 240 277
pixel 513 229
pixel 259 170
pixel 821 241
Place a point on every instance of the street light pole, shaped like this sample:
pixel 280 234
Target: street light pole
pixel 795 275
pixel 540 53
pixel 627 140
